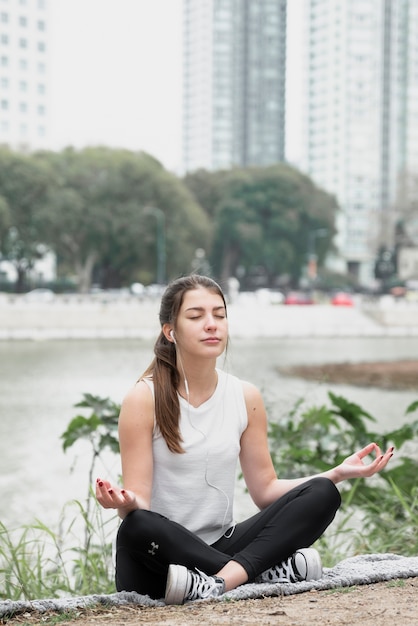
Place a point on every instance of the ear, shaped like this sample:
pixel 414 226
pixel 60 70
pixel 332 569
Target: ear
pixel 169 333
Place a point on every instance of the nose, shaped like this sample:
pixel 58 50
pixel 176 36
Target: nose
pixel 210 322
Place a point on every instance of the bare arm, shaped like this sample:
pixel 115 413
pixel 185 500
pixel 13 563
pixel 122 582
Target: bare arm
pixel 258 469
pixel 136 422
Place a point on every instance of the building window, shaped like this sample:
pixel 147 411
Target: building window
pixel 41 68
pixel 4 61
pixel 4 39
pixel 23 21
pixel 4 18
pixel 41 25
pixel 23 130
pixel 41 89
pixel 23 107
pixel 41 46
pixel 23 43
pixel 23 85
pixel 4 104
pixel 4 126
pixel 23 64
pixel 4 83
pixel 41 109
pixel 41 131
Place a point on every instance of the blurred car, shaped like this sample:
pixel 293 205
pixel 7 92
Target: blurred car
pixel 269 296
pixel 298 297
pixel 342 298
pixel 137 289
pixel 39 295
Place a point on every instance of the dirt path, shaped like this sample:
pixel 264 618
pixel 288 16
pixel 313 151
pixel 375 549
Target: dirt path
pixel 393 602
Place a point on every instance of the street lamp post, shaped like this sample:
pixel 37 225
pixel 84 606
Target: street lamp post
pixel 312 256
pixel 161 256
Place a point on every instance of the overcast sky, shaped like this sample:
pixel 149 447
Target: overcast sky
pixel 116 75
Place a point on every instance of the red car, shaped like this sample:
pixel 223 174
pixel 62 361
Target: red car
pixel 298 297
pixel 342 299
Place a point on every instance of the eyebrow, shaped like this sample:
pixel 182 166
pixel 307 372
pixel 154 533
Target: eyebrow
pixel 201 308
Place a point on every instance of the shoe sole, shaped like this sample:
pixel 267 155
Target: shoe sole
pixel 175 590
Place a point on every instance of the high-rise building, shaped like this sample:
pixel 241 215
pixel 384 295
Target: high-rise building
pixel 361 113
pixel 233 83
pixel 24 88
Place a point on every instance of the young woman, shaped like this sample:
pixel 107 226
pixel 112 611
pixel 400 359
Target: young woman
pixel 182 429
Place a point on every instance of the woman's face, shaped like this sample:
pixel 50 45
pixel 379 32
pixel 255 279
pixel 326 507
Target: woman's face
pixel 202 326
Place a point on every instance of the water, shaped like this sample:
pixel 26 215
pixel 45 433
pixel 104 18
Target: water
pixel 40 382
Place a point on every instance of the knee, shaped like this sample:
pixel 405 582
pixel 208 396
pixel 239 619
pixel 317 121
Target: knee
pixel 327 492
pixel 133 524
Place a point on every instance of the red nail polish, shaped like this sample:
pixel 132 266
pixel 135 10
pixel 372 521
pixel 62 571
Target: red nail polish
pixel 110 491
pixel 123 491
pixel 100 482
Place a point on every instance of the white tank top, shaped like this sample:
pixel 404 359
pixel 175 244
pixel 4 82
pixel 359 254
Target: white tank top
pixel 196 489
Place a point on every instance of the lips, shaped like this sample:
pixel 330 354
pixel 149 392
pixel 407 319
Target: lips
pixel 213 340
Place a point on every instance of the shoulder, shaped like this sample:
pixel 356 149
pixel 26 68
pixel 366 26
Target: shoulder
pixel 251 392
pixel 138 405
pixel 140 393
pixel 254 403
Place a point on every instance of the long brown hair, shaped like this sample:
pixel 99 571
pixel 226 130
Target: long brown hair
pixel 163 369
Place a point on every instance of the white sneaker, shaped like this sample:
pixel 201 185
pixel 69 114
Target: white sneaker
pixel 183 585
pixel 304 564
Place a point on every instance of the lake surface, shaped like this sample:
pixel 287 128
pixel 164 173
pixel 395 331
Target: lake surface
pixel 41 381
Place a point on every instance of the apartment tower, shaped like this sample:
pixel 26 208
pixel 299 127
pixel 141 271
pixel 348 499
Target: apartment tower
pixel 234 83
pixel 361 119
pixel 24 89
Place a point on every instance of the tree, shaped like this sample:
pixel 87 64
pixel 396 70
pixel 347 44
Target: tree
pixel 5 222
pixel 98 222
pixel 24 187
pixel 263 217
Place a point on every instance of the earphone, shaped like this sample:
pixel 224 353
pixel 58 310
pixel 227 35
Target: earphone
pixel 207 469
pixel 186 384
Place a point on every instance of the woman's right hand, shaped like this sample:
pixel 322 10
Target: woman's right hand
pixel 111 497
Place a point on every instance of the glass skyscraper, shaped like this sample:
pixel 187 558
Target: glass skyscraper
pixel 360 117
pixel 233 83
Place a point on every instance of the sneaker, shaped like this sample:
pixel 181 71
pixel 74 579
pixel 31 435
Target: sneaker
pixel 302 565
pixel 183 585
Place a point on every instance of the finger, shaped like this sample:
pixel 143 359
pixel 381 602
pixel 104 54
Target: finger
pixel 378 464
pixel 128 496
pixel 368 450
pixel 371 447
pixel 101 487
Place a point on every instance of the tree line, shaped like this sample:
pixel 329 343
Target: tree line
pixel 105 213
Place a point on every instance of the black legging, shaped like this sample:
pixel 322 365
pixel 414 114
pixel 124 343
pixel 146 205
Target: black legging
pixel 148 543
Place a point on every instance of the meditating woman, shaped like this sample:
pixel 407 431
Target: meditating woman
pixel 183 427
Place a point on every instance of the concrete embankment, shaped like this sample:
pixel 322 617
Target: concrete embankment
pixel 66 318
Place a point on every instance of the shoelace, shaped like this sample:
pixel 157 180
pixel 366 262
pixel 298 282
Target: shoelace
pixel 203 586
pixel 283 573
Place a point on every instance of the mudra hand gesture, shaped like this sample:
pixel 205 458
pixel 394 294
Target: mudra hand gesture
pixel 354 467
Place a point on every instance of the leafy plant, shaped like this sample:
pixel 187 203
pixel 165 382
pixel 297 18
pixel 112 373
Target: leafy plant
pixel 379 513
pixel 99 429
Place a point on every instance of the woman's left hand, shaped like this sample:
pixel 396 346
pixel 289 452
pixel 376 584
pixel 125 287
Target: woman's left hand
pixel 354 467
